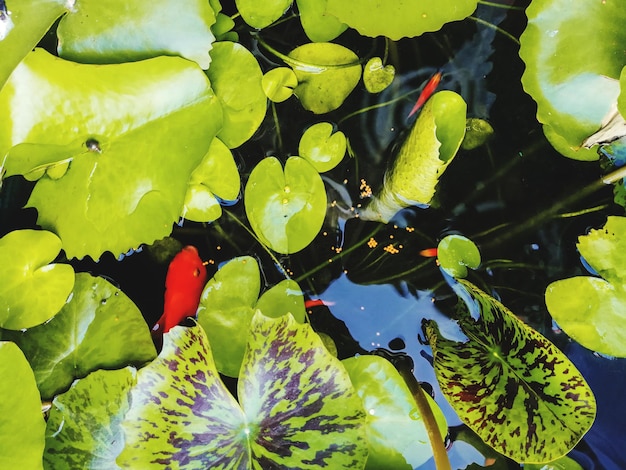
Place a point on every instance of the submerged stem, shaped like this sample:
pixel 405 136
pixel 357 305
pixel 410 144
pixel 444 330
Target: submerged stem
pixel 493 26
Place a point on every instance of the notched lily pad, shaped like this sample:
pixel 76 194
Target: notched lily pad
pixel 376 76
pixel 286 209
pixel 261 14
pixel 31 290
pixel 456 253
pixel 509 384
pixel 278 84
pixel 318 25
pixel 322 146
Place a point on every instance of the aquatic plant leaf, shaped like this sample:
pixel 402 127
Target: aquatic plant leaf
pixel 278 84
pixel 509 384
pixel 84 429
pixel 22 28
pixel 396 433
pixel 456 253
pixel 592 310
pixel 401 18
pixel 318 25
pixel 31 289
pixel 429 148
pixel 376 77
pixel 323 148
pixel 477 132
pixel 285 297
pixel 298 407
pixel 98 328
pixel 236 78
pixel 128 187
pixel 564 463
pixel 261 14
pixel 573 60
pixel 226 308
pixel 22 426
pixel 286 209
pixel 216 176
pixel 327 73
pixel 117 31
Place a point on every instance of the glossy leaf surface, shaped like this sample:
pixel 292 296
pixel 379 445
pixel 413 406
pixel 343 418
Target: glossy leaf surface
pixel 278 84
pixel 118 31
pixel 509 384
pixel 592 310
pixel 456 253
pixel 22 425
pixel 99 328
pixel 84 428
pixel 318 25
pixel 376 76
pixel 298 408
pixel 401 18
pixel 127 178
pixel 285 297
pixel 31 290
pixel 322 147
pixel 261 14
pixel 286 208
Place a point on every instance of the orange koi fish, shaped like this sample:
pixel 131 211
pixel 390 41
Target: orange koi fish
pixel 426 93
pixel 429 253
pixel 185 279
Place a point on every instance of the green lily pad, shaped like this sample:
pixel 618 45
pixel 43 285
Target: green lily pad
pixel 509 384
pixel 429 148
pixel 322 147
pixel 592 310
pixel 298 407
pixel 401 18
pixel 396 433
pixel 236 78
pixel 22 426
pixel 216 176
pixel 456 253
pixel 327 73
pixel 117 31
pixel 127 178
pixel 100 328
pixel 261 14
pixel 84 429
pixel 477 132
pixel 318 25
pixel 285 209
pixel 573 60
pixel 376 77
pixel 279 83
pixel 31 290
pixel 283 298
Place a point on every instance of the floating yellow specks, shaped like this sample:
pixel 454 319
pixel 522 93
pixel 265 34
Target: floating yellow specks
pixel 391 249
pixel 366 190
pixel 372 243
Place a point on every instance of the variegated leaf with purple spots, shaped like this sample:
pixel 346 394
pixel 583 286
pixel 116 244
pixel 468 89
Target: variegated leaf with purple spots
pixel 509 384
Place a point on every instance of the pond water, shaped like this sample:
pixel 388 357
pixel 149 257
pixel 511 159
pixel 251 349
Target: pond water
pixel 515 197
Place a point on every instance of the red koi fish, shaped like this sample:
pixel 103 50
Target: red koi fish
pixel 428 90
pixel 317 303
pixel 429 253
pixel 186 276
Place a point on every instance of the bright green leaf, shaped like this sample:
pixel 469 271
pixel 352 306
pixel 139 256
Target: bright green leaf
pixel 127 179
pixel 592 310
pixel 31 290
pixel 236 78
pixel 285 297
pixel 327 73
pixel 322 147
pixel 285 209
pixel 509 384
pixel 99 328
pixel 376 77
pixel 261 14
pixel 396 433
pixel 22 426
pixel 318 25
pixel 456 253
pixel 117 31
pixel 429 148
pixel 564 463
pixel 84 428
pixel 278 84
pixel 477 132
pixel 401 18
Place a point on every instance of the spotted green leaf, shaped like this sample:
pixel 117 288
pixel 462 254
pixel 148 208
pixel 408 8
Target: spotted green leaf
pixel 376 76
pixel 456 253
pixel 84 428
pixel 127 178
pixel 592 310
pixel 322 147
pixel 22 425
pixel 99 328
pixel 509 384
pixel 396 433
pixel 298 407
pixel 31 290
pixel 286 209
pixel 318 25
pixel 261 14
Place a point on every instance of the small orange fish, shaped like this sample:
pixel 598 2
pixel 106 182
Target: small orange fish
pixel 426 93
pixel 429 253
pixel 185 279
